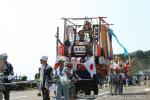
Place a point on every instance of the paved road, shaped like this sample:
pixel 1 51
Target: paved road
pixel 130 93
pixel 135 93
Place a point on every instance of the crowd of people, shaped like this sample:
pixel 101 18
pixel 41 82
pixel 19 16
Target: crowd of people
pixel 57 79
pixel 52 79
pixel 49 79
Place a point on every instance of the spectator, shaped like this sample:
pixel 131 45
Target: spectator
pixel 145 79
pixel 8 76
pixel 37 78
pixel 45 77
pixel 2 88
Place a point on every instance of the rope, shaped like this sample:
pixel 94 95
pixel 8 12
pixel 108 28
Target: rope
pixel 13 83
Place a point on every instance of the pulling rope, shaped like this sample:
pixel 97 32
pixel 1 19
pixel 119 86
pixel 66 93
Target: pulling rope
pixel 14 83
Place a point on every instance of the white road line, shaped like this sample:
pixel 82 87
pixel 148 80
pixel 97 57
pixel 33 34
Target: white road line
pixel 104 93
pixel 147 89
pixel 101 97
pixel 18 97
pixel 141 90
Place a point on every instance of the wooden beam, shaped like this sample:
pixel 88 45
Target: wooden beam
pixel 83 18
pixel 69 21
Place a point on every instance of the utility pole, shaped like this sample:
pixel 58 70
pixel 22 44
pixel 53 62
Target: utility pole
pixel 57 37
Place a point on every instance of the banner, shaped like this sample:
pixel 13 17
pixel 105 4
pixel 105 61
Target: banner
pixel 125 50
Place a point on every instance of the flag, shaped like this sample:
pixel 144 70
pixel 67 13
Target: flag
pixel 90 66
pixel 125 50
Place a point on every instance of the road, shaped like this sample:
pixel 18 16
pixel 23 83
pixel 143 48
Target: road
pixel 130 93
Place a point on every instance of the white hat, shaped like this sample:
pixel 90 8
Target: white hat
pixel 1 57
pixel 44 58
pixel 4 55
pixel 60 58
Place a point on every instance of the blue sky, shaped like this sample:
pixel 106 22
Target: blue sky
pixel 27 27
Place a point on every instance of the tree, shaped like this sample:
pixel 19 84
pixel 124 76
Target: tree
pixel 134 66
pixel 139 54
pixel 23 78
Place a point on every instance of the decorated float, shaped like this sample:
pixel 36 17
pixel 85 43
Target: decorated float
pixel 87 46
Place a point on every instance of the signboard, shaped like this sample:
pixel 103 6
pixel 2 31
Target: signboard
pixel 79 50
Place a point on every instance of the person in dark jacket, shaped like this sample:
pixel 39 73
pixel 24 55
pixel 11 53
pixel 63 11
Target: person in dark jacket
pixel 8 76
pixel 145 79
pixel 46 74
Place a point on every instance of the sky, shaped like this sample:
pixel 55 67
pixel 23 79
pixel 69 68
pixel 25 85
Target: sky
pixel 28 27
